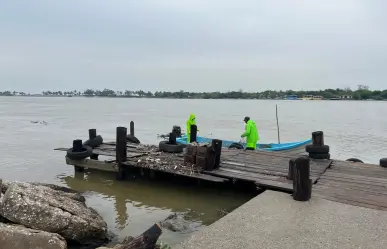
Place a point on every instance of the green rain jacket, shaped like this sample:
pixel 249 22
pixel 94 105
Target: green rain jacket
pixel 251 134
pixel 191 121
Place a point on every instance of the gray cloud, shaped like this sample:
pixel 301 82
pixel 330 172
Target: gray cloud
pixel 192 45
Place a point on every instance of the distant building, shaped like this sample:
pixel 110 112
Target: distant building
pixel 342 97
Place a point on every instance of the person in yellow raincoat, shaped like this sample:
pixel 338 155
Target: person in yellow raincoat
pixel 191 121
pixel 251 134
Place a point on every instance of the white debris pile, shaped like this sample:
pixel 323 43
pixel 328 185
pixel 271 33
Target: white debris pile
pixel 167 162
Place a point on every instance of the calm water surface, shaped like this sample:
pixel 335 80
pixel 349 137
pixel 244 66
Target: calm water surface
pixel 352 129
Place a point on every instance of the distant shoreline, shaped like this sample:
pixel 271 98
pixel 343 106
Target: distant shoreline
pixel 193 98
pixel 362 93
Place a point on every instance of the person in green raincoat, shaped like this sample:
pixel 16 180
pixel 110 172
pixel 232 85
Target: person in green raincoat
pixel 251 134
pixel 191 121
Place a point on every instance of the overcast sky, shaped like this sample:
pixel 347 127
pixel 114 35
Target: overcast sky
pixel 192 45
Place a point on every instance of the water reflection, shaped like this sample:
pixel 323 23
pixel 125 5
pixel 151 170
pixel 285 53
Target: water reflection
pixel 139 203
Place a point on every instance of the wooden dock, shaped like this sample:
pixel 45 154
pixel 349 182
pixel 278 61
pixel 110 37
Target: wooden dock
pixel 356 184
pixel 295 172
pixel 267 170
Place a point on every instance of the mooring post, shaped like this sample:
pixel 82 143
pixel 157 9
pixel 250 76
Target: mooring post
pixel 318 138
pixel 172 138
pixel 132 128
pixel 77 147
pixel 194 132
pixel 302 184
pixel 92 135
pixel 291 169
pixel 217 146
pixel 121 151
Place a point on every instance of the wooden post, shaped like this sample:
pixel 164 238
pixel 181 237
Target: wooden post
pixel 177 130
pixel 318 138
pixel 92 135
pixel 302 184
pixel 132 128
pixel 146 240
pixel 217 146
pixel 194 131
pixel 291 169
pixel 121 151
pixel 1 186
pixel 278 129
pixel 172 138
pixel 77 147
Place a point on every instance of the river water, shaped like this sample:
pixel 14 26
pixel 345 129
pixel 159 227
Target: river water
pixel 352 129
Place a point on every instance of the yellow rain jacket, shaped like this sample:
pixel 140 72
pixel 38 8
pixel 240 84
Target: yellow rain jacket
pixel 191 121
pixel 251 134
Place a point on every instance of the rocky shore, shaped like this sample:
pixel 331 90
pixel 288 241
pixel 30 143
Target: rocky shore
pixel 47 216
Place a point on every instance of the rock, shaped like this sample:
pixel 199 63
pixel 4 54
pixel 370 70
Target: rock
pixel 178 223
pixel 44 208
pixel 19 237
pixel 76 195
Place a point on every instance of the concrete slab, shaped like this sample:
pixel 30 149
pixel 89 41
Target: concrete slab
pixel 274 220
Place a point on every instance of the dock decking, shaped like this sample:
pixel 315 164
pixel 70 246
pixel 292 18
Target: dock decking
pixel 351 183
pixel 265 169
pixel 356 184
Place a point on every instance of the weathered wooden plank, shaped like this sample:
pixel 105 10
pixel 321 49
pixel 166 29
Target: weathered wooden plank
pixel 362 172
pixel 61 149
pixel 354 186
pixel 284 173
pixel 280 168
pixel 93 164
pixel 193 175
pixel 337 188
pixel 270 182
pixel 355 178
pixel 113 145
pixel 112 153
pixel 286 186
pixel 351 164
pixel 286 153
pixel 274 162
pixel 348 201
pixel 354 196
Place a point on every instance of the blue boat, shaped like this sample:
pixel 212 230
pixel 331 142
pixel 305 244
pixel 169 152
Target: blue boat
pixel 291 97
pixel 266 147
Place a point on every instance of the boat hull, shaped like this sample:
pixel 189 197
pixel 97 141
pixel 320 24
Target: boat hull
pixel 265 147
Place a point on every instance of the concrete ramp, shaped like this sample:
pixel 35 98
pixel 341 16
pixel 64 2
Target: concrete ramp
pixel 274 220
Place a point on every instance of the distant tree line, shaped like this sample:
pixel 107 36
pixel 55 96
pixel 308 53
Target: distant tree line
pixel 361 93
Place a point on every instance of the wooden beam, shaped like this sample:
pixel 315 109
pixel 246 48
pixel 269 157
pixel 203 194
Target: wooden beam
pixel 146 240
pixel 302 185
pixel 131 128
pixel 93 164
